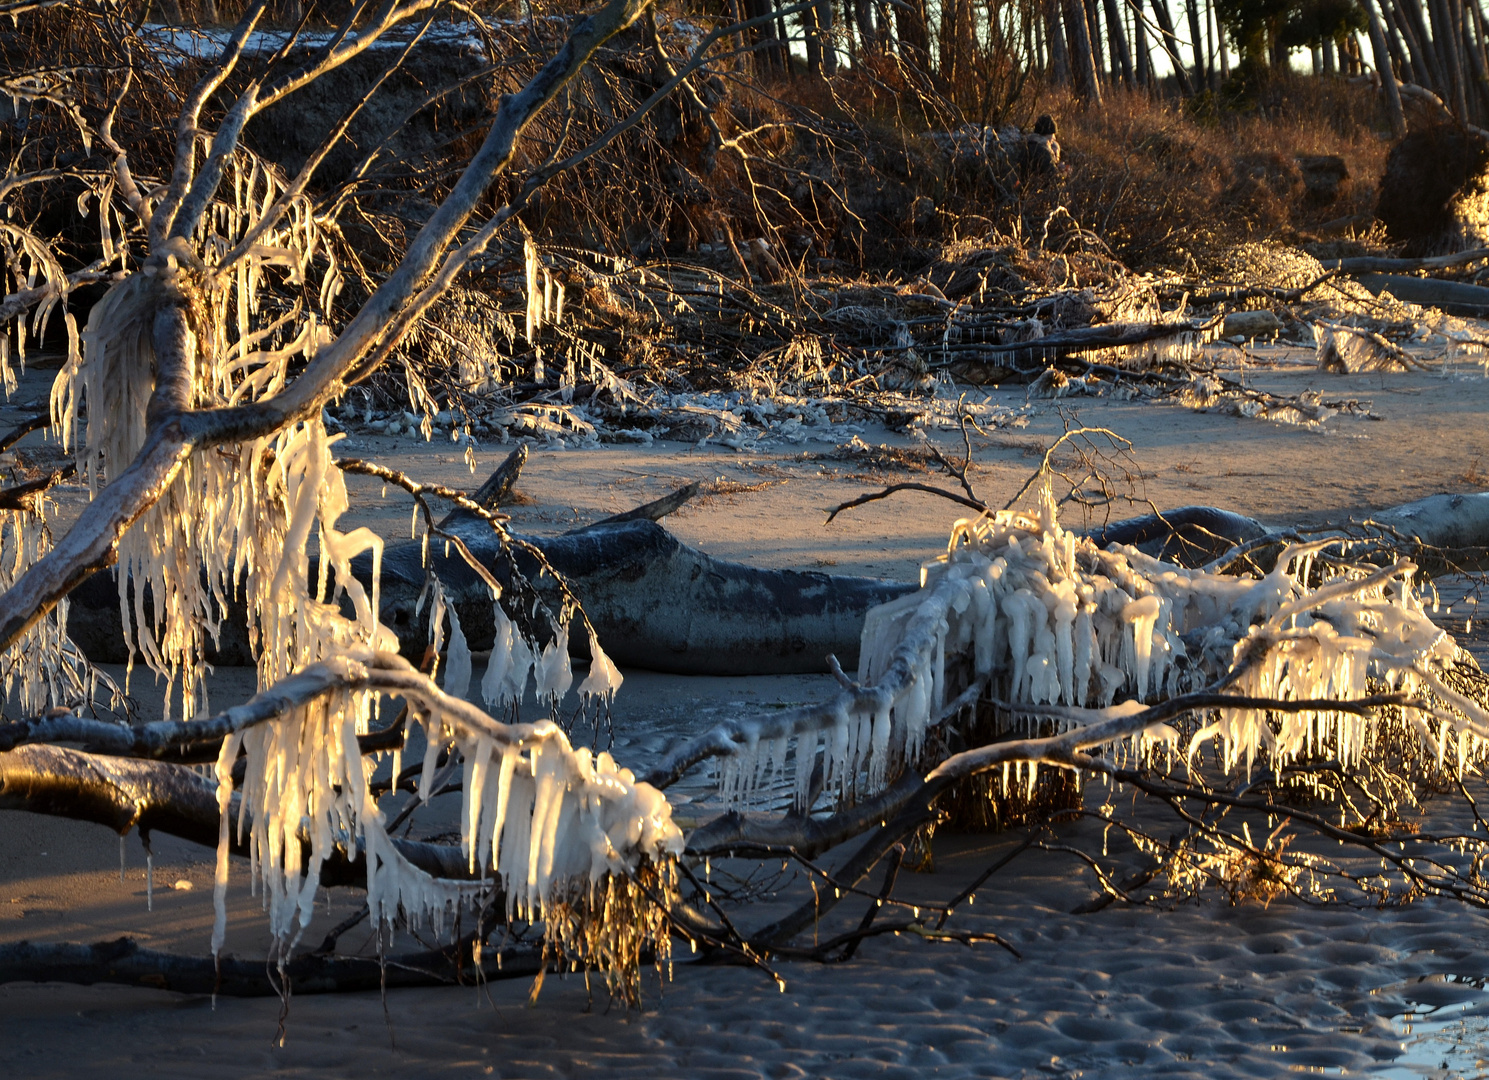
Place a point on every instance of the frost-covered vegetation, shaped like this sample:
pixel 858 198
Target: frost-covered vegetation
pixel 237 327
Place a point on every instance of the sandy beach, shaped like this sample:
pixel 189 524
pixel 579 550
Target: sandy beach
pixel 1203 990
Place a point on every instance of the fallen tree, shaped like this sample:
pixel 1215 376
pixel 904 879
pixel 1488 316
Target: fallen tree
pixel 196 400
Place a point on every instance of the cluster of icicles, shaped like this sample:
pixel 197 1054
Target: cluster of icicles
pixel 1042 616
pixel 239 523
pixel 549 819
pixel 544 816
pixel 44 668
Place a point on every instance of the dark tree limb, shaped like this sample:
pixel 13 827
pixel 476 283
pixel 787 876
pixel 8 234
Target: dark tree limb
pixel 26 497
pixel 1082 339
pixel 655 510
pixel 153 796
pixel 497 487
pixel 24 428
pixel 875 496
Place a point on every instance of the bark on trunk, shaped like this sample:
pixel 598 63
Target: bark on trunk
pixel 1087 85
pixel 1422 47
pixel 1117 36
pixel 1171 44
pixel 1059 58
pixel 1197 40
pixel 1381 52
pixel 1142 60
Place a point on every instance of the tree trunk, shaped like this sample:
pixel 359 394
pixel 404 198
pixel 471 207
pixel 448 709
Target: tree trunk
pixel 1480 54
pixel 1171 43
pixel 742 58
pixel 761 50
pixel 1422 48
pixel 1142 61
pixel 913 30
pixel 1054 33
pixel 1121 57
pixel 1423 72
pixel 1197 44
pixel 1087 85
pixel 812 39
pixel 1207 24
pixel 1220 48
pixel 824 31
pixel 1091 8
pixel 783 42
pixel 1447 50
pixel 1382 56
pixel 1326 49
pixel 863 17
pixel 1400 60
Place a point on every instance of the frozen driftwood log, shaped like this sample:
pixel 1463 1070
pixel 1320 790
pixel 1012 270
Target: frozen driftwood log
pixel 1250 324
pixel 655 602
pixel 663 605
pixel 1453 297
pixel 1454 522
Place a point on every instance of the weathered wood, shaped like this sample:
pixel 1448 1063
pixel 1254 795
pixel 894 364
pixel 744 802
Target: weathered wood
pixel 1453 297
pixel 1372 264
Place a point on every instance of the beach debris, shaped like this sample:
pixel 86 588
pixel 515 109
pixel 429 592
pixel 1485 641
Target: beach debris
pixel 1349 350
pixel 1250 324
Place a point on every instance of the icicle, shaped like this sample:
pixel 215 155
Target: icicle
pixel 1065 613
pixel 458 666
pixel 552 673
pixel 500 661
pixel 1142 614
pixel 226 757
pixel 806 759
pixel 534 297
pixel 879 749
pixel 835 760
pixel 604 678
pixel 1020 630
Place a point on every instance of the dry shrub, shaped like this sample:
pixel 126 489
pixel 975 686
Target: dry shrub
pixel 1163 184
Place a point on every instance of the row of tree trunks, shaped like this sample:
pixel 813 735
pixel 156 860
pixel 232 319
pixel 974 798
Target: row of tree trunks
pixel 1090 44
pixel 1437 44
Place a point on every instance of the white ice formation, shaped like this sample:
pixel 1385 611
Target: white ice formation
pixel 1036 615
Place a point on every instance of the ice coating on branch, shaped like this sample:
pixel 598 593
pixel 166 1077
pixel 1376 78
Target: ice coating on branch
pixel 1047 618
pixel 458 665
pixel 547 816
pixel 552 672
pixel 604 678
pixel 1142 615
pixel 44 667
pixel 225 513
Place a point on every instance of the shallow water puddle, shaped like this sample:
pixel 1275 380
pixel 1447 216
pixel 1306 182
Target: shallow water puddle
pixel 1442 1039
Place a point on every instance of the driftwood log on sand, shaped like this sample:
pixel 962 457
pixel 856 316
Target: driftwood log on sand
pixel 660 604
pixel 1453 297
pixel 654 601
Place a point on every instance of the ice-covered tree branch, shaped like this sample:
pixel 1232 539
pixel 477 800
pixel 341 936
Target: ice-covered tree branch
pixel 175 430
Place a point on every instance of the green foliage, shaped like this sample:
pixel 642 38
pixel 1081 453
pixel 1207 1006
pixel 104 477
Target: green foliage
pixel 1262 28
pixel 1319 20
pixel 1255 25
